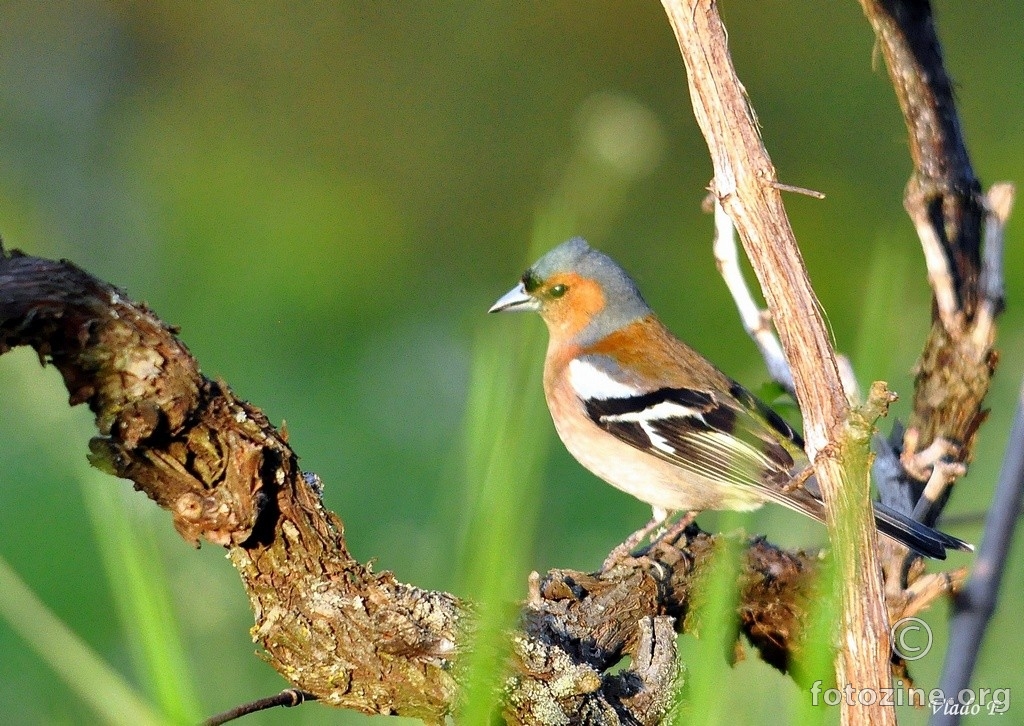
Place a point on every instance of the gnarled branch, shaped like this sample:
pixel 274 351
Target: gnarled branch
pixel 329 624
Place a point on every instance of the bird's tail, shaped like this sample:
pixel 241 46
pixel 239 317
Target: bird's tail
pixel 919 537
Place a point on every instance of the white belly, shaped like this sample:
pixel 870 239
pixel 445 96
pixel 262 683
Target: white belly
pixel 646 477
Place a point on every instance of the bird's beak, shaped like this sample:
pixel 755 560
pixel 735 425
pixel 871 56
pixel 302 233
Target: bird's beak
pixel 515 299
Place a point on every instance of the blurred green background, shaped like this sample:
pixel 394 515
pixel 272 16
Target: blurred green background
pixel 327 197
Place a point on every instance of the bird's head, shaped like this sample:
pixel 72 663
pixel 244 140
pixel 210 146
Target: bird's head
pixel 581 293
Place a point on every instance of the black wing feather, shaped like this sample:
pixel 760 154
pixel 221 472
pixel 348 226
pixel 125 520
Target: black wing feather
pixel 716 439
pixel 739 440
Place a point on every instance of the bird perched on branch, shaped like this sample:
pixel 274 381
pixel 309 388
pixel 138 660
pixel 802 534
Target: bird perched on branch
pixel 654 418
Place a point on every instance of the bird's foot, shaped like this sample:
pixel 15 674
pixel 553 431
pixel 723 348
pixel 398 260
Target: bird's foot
pixel 623 550
pixel 655 529
pixel 678 526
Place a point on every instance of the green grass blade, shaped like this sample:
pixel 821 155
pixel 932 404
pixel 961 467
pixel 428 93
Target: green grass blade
pixel 106 692
pixel 715 602
pixel 130 561
pixel 878 337
pixel 139 588
pixel 818 662
pixel 506 432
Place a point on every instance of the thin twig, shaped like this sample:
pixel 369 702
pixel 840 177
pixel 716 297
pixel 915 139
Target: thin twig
pixel 812 193
pixel 940 275
pixel 998 205
pixel 756 322
pixel 287 698
pixel 974 606
pixel 944 475
pixel 929 588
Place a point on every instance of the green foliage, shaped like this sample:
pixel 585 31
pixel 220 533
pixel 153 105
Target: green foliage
pixel 506 448
pixel 712 621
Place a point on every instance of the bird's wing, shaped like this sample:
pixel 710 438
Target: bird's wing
pixel 733 439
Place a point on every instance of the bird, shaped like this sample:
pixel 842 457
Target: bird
pixel 654 418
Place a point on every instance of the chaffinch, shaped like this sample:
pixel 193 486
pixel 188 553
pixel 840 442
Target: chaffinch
pixel 654 418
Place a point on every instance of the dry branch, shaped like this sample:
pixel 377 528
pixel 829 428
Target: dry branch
pixel 964 258
pixel 945 203
pixel 332 627
pixel 745 184
pixel 328 624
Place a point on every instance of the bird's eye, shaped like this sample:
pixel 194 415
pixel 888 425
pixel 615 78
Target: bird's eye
pixel 557 290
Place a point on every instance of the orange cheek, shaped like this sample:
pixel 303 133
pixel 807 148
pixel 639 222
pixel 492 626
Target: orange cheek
pixel 569 315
